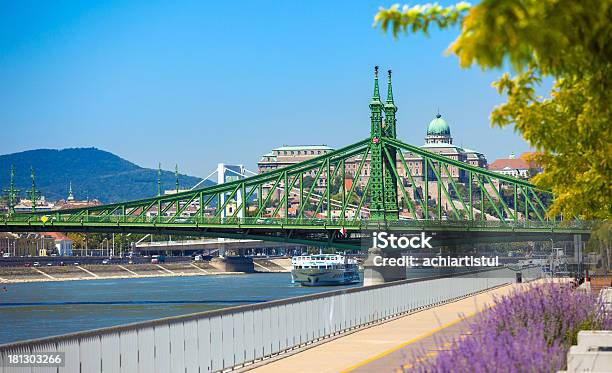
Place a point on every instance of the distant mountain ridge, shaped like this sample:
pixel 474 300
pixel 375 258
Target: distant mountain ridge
pixel 94 173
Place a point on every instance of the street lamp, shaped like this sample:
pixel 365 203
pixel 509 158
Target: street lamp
pixel 102 249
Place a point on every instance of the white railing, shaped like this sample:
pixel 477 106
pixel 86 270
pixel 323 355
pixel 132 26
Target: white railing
pixel 228 338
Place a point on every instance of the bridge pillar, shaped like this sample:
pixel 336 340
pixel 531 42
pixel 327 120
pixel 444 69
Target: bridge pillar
pixel 373 274
pixel 578 251
pixel 383 188
pixel 234 264
pixel 226 173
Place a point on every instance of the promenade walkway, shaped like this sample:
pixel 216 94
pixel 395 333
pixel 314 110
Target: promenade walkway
pixel 388 346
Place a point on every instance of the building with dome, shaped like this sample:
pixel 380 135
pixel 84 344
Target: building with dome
pixel 438 140
pixel 438 132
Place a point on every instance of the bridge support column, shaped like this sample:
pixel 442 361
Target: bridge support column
pixel 578 251
pixel 378 274
pixel 234 264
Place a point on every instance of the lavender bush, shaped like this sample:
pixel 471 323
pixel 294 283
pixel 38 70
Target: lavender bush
pixel 527 331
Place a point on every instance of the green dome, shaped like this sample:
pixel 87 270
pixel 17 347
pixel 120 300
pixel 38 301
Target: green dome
pixel 438 126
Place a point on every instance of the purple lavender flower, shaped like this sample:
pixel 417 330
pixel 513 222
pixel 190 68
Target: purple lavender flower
pixel 527 331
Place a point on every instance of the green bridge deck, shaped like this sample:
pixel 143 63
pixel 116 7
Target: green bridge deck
pixel 320 232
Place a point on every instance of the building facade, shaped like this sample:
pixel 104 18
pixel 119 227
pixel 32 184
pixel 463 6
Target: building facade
pixel 521 167
pixel 25 205
pixel 287 155
pixel 63 244
pixel 27 244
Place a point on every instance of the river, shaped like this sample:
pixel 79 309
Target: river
pixel 34 310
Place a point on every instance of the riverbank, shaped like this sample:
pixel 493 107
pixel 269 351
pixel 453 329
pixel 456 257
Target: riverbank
pixel 11 275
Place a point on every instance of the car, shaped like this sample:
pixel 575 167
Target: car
pixel 76 263
pixel 6 255
pixel 49 264
pixel 36 264
pixel 105 261
pixel 130 262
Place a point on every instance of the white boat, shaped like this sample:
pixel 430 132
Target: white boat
pixel 324 269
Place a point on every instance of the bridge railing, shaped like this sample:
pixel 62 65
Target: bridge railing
pixel 224 339
pixel 52 219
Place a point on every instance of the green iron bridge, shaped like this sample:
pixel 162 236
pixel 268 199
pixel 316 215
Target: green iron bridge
pixel 330 200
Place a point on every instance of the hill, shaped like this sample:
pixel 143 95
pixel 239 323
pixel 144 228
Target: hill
pixel 94 173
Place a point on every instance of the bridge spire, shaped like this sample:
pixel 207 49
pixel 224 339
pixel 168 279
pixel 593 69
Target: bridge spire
pixel 375 109
pixel 176 174
pixel 159 179
pixel 70 197
pixel 390 161
pixel 33 192
pixel 389 88
pixel 390 110
pixel 376 95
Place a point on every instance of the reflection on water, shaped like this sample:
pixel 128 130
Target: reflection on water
pixel 34 310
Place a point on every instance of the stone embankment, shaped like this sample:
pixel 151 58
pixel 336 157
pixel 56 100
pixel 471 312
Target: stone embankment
pixel 68 272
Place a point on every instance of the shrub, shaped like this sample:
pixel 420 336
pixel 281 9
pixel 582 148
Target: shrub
pixel 526 331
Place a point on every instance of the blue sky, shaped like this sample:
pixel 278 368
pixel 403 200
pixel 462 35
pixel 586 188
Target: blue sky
pixel 196 83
